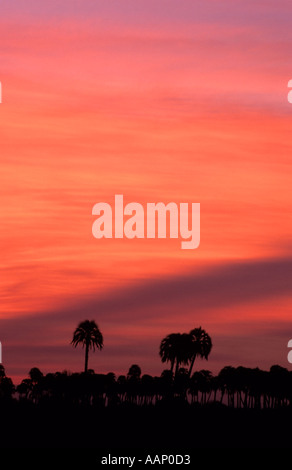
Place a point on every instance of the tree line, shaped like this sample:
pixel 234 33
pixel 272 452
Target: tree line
pixel 236 387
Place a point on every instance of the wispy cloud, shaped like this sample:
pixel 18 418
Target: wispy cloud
pixel 159 101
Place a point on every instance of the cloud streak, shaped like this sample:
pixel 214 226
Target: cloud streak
pixel 224 286
pixel 128 317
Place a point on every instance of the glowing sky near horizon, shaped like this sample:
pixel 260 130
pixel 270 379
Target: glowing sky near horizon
pixel 182 101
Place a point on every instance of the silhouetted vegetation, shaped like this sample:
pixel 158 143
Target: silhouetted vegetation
pixel 87 334
pixel 235 387
pixel 183 348
pixel 238 407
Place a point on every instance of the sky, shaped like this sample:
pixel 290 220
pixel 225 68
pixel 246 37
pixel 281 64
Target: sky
pixel 182 101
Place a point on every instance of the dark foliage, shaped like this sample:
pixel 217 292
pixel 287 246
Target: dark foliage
pixel 240 407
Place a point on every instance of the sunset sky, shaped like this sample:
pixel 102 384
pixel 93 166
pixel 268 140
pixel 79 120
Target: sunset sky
pixel 165 100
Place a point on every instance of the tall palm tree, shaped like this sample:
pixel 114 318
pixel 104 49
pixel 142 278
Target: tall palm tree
pixel 176 348
pixel 228 383
pixel 167 350
pixel 201 346
pixel 88 334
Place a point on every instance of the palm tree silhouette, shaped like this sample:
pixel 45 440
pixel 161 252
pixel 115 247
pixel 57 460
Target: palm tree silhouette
pixel 134 371
pixel 167 349
pixel 201 345
pixel 88 334
pixel 176 348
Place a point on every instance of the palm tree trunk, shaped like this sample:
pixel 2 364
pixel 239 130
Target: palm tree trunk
pixel 192 364
pixel 172 365
pixel 86 357
pixel 177 366
pixel 215 395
